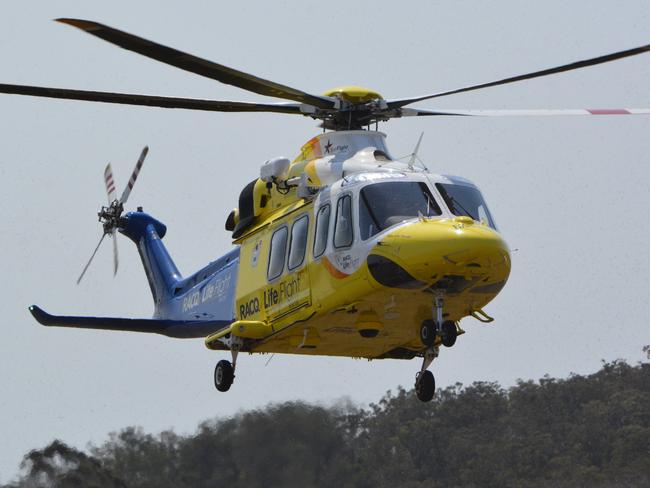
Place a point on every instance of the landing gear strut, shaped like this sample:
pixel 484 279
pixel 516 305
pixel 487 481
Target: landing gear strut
pixel 224 372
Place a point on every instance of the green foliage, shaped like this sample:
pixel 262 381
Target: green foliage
pixel 583 431
pixel 60 466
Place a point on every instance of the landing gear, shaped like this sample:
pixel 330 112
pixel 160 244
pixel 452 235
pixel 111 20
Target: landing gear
pixel 448 333
pixel 425 386
pixel 436 327
pixel 428 332
pixel 425 383
pixel 224 371
pixel 224 374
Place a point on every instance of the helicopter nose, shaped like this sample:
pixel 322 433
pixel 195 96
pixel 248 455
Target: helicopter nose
pixel 451 255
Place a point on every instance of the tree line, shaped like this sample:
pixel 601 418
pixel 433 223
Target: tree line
pixel 581 431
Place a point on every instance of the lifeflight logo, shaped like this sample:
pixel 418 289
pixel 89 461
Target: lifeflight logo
pixel 275 298
pixel 286 291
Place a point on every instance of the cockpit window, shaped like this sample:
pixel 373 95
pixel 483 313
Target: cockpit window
pixel 466 200
pixel 382 205
pixel 343 235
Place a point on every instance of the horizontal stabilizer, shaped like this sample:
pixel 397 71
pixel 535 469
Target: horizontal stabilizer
pixel 180 329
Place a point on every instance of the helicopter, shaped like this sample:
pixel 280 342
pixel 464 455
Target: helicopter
pixel 342 251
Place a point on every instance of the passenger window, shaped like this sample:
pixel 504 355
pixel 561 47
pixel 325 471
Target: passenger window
pixel 343 228
pixel 322 230
pixel 277 253
pixel 298 244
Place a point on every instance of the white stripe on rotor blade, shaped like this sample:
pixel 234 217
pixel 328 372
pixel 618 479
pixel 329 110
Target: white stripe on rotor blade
pixel 529 112
pixel 115 258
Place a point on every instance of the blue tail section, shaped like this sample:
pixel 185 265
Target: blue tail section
pixel 161 271
pixel 208 294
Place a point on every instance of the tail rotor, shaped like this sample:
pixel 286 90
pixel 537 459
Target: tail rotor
pixel 109 216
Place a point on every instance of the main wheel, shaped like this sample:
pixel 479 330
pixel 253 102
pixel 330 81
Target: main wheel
pixel 425 386
pixel 428 332
pixel 449 333
pixel 224 374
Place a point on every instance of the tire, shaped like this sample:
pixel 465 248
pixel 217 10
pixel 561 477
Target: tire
pixel 449 333
pixel 224 375
pixel 428 332
pixel 425 386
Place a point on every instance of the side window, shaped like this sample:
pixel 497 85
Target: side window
pixel 343 228
pixel 277 253
pixel 322 230
pixel 298 243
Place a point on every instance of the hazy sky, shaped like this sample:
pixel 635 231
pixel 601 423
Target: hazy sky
pixel 571 194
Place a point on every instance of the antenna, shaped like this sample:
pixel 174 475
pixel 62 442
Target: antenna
pixel 413 157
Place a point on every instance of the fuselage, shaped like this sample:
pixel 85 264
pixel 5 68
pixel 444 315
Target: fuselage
pixel 331 281
pixel 354 270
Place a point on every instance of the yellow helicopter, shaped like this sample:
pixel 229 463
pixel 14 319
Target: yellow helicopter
pixel 342 251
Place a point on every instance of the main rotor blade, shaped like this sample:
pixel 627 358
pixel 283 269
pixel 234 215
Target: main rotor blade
pixel 110 183
pixel 151 100
pixel 134 176
pixel 537 74
pixel 416 112
pixel 197 65
pixel 91 259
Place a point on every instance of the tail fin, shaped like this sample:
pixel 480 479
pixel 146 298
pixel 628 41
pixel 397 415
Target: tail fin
pixel 161 271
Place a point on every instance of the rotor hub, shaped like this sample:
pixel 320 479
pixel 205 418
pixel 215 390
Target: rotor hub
pixel 353 94
pixel 109 216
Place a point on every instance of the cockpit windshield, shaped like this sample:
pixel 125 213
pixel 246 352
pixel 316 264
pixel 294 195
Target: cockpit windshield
pixel 382 205
pixel 466 200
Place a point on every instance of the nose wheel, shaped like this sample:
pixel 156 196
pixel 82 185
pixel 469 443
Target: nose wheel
pixel 448 333
pixel 428 332
pixel 430 329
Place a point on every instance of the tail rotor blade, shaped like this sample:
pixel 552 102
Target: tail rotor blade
pixel 110 183
pixel 91 259
pixel 115 258
pixel 134 176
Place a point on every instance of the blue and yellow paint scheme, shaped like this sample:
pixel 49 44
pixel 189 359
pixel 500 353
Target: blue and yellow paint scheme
pixel 365 299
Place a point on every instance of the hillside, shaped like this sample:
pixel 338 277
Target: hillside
pixel 576 432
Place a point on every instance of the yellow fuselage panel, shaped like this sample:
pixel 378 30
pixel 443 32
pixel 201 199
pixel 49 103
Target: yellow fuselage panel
pixel 432 249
